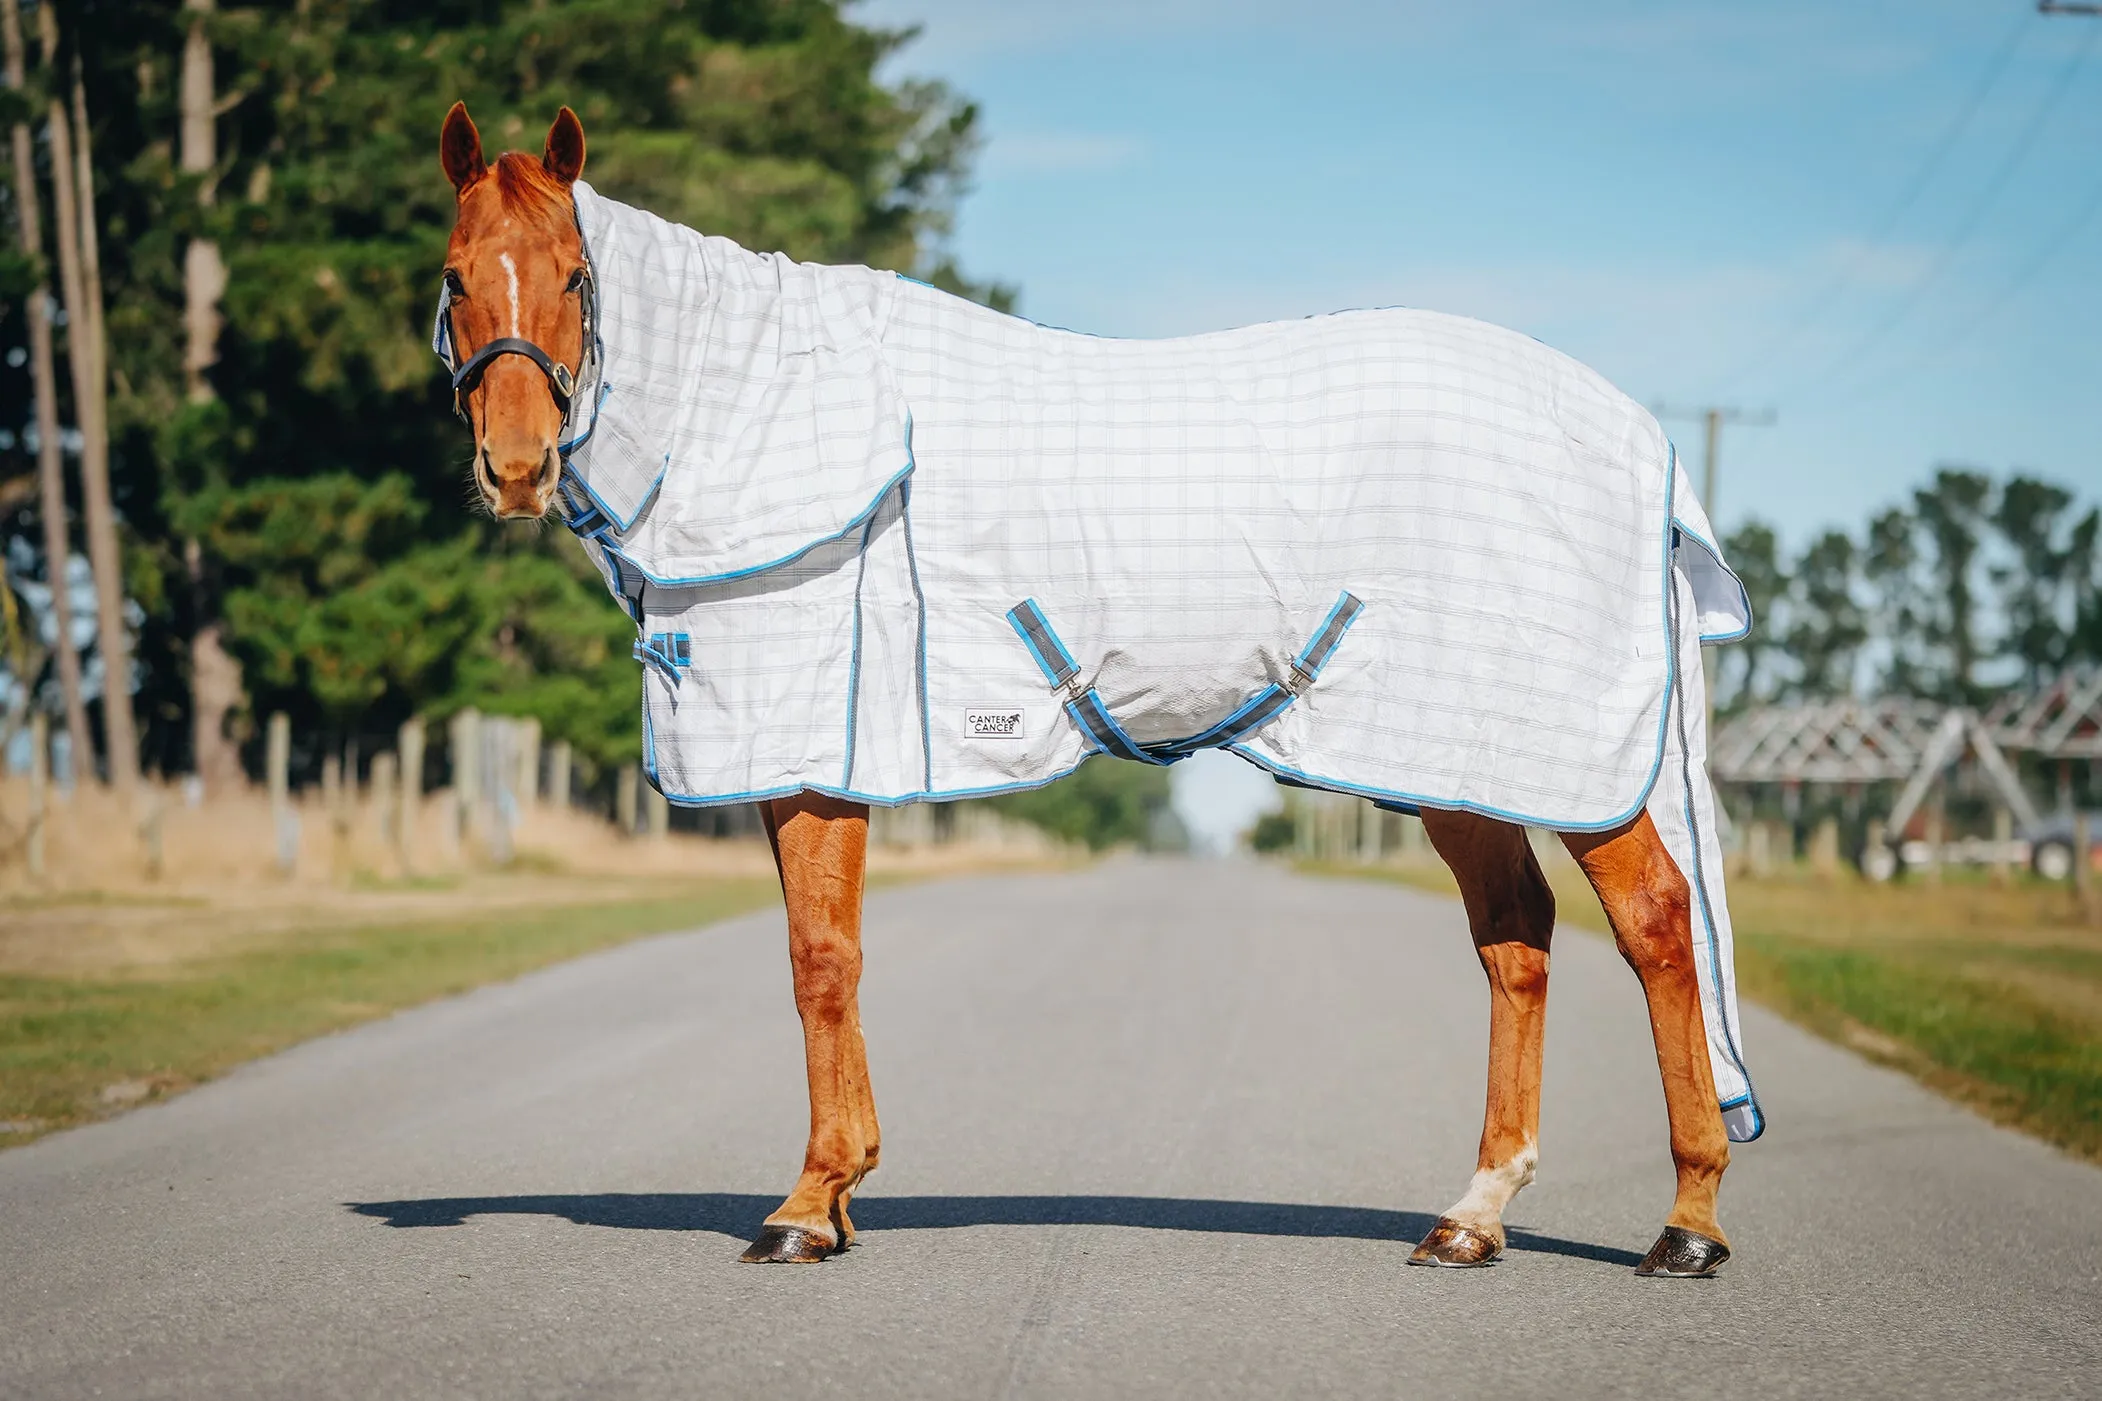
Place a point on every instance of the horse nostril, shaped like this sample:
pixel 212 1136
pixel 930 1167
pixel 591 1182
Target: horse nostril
pixel 484 474
pixel 550 471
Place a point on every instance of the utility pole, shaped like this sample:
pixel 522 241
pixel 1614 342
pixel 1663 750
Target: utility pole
pixel 1714 416
pixel 2059 7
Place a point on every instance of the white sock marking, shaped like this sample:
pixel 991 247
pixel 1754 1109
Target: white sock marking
pixel 1492 1189
pixel 511 279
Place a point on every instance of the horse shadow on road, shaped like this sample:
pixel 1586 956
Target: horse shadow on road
pixel 738 1215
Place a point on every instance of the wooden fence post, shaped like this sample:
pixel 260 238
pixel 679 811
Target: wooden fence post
pixel 39 784
pixel 498 772
pixel 624 800
pixel 464 736
pixel 284 823
pixel 1824 849
pixel 2084 867
pixel 332 808
pixel 526 735
pixel 411 748
pixel 660 814
pixel 558 775
pixel 384 802
pixel 1934 841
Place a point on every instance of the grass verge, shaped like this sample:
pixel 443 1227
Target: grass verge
pixel 76 1048
pixel 1990 995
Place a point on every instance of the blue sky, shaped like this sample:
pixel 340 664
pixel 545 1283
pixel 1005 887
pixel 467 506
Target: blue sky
pixel 1795 206
pixel 1693 198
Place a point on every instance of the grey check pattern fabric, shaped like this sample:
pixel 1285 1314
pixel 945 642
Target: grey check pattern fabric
pixel 839 483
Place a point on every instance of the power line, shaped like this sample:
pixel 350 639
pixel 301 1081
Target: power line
pixel 1973 215
pixel 2038 261
pixel 1823 300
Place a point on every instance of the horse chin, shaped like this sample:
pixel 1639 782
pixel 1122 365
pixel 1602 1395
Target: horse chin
pixel 534 510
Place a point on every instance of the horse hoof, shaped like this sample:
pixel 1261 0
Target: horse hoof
pixel 1456 1247
pixel 1683 1254
pixel 788 1245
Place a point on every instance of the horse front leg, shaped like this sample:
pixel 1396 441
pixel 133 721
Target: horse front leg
pixel 821 850
pixel 1650 906
pixel 1511 914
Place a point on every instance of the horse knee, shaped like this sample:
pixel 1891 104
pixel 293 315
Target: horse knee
pixel 827 973
pixel 1517 971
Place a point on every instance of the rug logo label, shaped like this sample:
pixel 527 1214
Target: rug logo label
pixel 992 724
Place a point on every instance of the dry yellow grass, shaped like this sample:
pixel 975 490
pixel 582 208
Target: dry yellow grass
pixel 124 979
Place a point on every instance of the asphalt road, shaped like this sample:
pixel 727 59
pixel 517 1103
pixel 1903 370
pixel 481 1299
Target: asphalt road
pixel 1149 1130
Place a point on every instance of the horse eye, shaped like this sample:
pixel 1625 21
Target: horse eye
pixel 576 280
pixel 453 285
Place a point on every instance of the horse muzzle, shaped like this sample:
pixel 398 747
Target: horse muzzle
pixel 517 486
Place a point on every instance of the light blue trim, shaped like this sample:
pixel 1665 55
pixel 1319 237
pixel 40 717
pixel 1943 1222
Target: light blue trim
pixel 912 563
pixel 1030 611
pixel 846 778
pixel 664 657
pixel 598 402
pixel 1306 779
pixel 1699 880
pixel 1230 729
pixel 1719 638
pixel 1418 800
pixel 1109 732
pixel 700 581
pixel 599 501
pixel 1359 790
pixel 1042 663
pixel 874 800
pixel 649 739
pixel 1343 600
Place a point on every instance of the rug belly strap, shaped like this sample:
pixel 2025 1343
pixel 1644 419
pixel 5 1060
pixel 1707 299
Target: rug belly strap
pixel 1087 710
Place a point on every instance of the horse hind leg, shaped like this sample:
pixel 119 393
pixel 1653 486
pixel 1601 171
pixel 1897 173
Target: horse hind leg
pixel 1649 904
pixel 1511 914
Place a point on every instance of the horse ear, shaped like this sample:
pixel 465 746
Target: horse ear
pixel 564 158
pixel 460 148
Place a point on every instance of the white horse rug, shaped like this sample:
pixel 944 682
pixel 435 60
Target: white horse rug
pixel 884 543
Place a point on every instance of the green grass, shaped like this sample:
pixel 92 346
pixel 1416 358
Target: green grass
pixel 1946 1012
pixel 1991 995
pixel 66 1041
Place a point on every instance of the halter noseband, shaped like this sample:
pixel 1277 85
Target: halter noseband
pixel 560 382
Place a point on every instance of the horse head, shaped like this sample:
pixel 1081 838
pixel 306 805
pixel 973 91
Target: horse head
pixel 515 280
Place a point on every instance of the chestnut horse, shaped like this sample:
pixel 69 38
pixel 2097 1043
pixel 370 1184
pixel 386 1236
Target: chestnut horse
pixel 516 276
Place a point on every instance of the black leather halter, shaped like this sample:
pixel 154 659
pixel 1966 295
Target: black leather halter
pixel 561 383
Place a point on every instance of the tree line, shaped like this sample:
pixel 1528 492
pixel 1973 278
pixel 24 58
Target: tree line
pixel 1969 588
pixel 228 474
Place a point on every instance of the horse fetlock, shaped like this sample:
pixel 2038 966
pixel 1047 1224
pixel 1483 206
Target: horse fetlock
pixel 1491 1190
